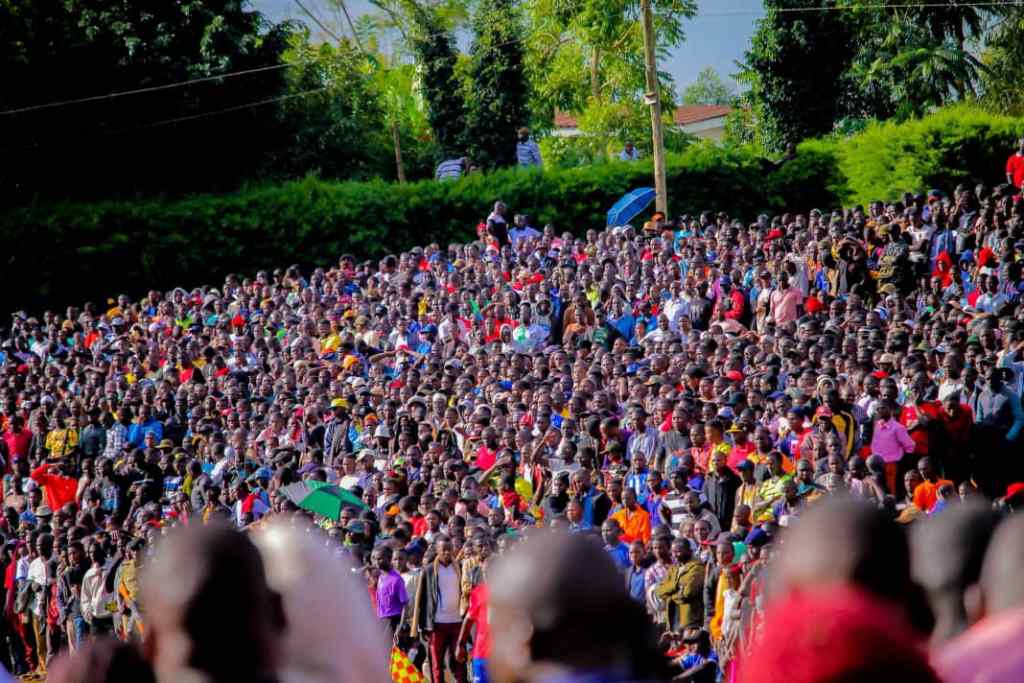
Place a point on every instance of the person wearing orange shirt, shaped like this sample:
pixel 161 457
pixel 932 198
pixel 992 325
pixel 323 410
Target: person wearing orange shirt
pixel 926 494
pixel 634 520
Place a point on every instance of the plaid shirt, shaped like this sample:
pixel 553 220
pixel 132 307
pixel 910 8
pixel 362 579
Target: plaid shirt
pixel 117 437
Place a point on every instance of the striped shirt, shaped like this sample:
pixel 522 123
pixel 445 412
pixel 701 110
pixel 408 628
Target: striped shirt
pixel 528 153
pixel 449 170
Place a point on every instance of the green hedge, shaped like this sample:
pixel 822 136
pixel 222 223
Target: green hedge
pixel 959 144
pixel 69 253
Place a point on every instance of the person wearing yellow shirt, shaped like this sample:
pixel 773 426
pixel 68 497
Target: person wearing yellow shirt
pixel 634 520
pixel 61 441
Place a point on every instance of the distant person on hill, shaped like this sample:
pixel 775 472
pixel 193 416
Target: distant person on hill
pixel 1015 166
pixel 451 169
pixel 527 151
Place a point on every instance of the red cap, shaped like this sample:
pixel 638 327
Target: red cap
pixel 823 411
pixel 734 375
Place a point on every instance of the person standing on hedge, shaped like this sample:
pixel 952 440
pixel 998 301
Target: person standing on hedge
pixel 1014 166
pixel 527 151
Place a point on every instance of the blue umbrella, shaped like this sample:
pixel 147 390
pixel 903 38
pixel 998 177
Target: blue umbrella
pixel 631 204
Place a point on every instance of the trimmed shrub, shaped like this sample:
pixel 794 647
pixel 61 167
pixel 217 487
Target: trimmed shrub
pixel 959 144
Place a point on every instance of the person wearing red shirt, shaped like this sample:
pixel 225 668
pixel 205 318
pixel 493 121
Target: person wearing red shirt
pixel 476 617
pixel 59 489
pixel 730 302
pixel 1015 166
pixel 18 440
pixel 957 419
pixel 916 416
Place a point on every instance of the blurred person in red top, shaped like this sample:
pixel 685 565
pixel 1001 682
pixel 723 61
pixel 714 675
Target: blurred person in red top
pixel 870 639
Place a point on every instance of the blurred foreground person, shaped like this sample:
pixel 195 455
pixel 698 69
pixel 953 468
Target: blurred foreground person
pixel 105 660
pixel 329 636
pixel 947 552
pixel 839 634
pixel 844 541
pixel 990 650
pixel 560 611
pixel 210 614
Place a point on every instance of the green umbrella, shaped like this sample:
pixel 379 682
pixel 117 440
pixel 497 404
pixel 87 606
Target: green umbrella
pixel 322 498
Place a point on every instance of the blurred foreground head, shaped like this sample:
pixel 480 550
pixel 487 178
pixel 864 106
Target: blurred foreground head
pixel 989 651
pixel 330 635
pixel 558 606
pixel 947 551
pixel 839 634
pixel 844 541
pixel 210 613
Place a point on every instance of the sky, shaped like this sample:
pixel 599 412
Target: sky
pixel 716 37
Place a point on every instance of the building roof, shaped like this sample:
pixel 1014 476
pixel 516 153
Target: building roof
pixel 690 113
pixel 695 113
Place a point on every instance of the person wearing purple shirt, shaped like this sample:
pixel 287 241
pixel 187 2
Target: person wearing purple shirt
pixel 891 442
pixel 391 594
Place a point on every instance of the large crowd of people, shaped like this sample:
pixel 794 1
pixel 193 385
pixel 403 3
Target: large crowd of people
pixel 629 454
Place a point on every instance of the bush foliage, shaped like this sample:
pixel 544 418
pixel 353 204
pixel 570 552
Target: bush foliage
pixel 68 253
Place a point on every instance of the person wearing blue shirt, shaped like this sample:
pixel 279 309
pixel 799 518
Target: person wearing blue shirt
pixel 527 150
pixel 616 549
pixel 635 574
pixel 145 424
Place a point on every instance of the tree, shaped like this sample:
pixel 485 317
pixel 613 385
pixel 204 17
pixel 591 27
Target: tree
pixel 709 88
pixel 911 58
pixel 1004 60
pixel 500 90
pixel 203 136
pixel 795 70
pixel 582 52
pixel 436 58
pixel 337 131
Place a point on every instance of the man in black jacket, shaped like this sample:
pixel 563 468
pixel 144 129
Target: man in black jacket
pixel 720 489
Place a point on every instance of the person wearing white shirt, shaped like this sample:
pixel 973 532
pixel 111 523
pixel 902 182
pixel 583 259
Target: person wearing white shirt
pixel 629 152
pixel 96 601
pixel 522 231
pixel 676 308
pixel 39 576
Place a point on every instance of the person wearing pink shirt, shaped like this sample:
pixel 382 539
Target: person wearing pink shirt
pixel 785 302
pixel 891 442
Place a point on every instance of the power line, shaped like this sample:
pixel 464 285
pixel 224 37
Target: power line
pixel 194 117
pixel 854 8
pixel 570 5
pixel 154 88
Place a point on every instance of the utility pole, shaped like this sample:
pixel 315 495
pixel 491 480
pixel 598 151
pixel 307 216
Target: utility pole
pixel 652 98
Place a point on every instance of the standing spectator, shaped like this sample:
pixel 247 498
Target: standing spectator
pixel 451 169
pixel 527 150
pixel 891 442
pixel 435 613
pixel 41 580
pixel 1015 166
pixel 629 152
